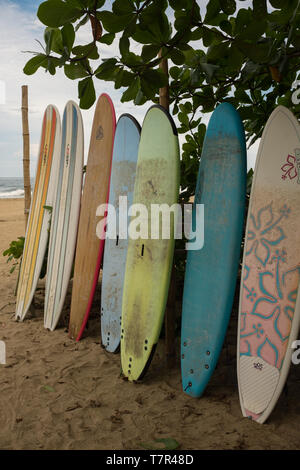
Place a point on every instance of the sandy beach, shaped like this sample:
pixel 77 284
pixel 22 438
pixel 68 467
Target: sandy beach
pixel 58 394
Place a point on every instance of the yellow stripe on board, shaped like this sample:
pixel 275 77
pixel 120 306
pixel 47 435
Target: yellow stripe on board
pixel 29 227
pixel 36 214
pixel 33 214
pixel 41 211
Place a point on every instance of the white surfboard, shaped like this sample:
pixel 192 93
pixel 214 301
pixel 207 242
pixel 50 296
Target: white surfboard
pixel 37 233
pixel 65 215
pixel 269 312
pixel 126 146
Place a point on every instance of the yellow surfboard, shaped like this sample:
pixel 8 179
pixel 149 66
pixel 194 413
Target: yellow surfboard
pixel 38 223
pixel 149 261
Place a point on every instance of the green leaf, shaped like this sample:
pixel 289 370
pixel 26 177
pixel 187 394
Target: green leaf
pixel 132 90
pixel 48 388
pixel 161 28
pixel 226 26
pixel 156 76
pixel 212 10
pixel 108 38
pixel 177 57
pixel 86 93
pixel 218 51
pixel 52 63
pixel 48 39
pixel 235 58
pixel 68 36
pixel 123 7
pixel 254 31
pixel 242 96
pixel 178 4
pixel 196 34
pixel 123 78
pixel 243 19
pixel 133 60
pixel 53 40
pixel 150 51
pixel 182 21
pixel 169 444
pixel 56 13
pixel 75 70
pixel 278 3
pixel 258 54
pixel 106 71
pixel 143 36
pixel 33 64
pixel 114 23
pixel 208 37
pixel 228 6
pixel 260 9
pixel 209 69
pixel 124 46
pixel 89 51
pixel 140 98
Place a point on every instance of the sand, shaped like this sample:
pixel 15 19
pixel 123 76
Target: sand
pixel 58 394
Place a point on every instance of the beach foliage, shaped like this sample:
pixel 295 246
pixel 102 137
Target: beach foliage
pixel 14 252
pixel 217 50
pixel 161 444
pixel 245 53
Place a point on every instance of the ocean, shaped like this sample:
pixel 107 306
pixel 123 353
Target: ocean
pixel 11 187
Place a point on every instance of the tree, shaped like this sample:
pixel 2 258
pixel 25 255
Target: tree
pixel 247 56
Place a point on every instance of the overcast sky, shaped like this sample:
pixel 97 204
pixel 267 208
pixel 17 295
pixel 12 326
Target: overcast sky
pixel 19 27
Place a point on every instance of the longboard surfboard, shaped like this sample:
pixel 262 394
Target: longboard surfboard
pixel 211 272
pixel 65 215
pixel 149 260
pixel 37 232
pixel 123 170
pixel 269 312
pixel 89 249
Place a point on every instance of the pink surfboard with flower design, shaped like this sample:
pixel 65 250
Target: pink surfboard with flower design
pixel 269 313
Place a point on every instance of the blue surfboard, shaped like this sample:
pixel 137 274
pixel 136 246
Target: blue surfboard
pixel 211 272
pixel 126 145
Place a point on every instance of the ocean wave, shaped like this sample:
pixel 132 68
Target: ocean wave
pixel 12 194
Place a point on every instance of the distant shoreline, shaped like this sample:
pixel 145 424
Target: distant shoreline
pixel 11 198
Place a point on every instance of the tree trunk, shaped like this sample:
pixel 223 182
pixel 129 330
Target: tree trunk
pixel 170 317
pixel 26 153
pixel 164 98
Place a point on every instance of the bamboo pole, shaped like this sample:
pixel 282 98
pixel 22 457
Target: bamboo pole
pixel 26 153
pixel 170 338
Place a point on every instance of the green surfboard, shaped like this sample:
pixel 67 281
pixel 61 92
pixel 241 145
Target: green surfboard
pixel 149 261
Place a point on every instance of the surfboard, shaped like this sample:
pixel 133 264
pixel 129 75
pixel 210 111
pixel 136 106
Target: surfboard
pixel 89 248
pixel 65 215
pixel 269 311
pixel 123 170
pixel 211 272
pixel 36 237
pixel 149 260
